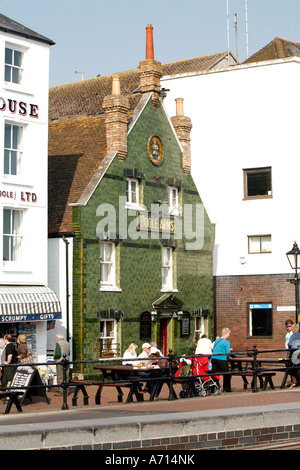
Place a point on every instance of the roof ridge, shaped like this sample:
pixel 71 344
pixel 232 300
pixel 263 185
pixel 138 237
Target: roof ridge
pixel 197 57
pixel 82 82
pixel 286 40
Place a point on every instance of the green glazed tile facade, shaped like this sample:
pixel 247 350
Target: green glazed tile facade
pixel 139 262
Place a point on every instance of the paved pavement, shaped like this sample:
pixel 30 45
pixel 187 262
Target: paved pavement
pixel 38 416
pixel 38 409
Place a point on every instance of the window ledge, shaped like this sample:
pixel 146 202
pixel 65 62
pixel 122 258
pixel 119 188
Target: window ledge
pixel 18 87
pixel 12 266
pixel 135 207
pixel 16 181
pixel 110 289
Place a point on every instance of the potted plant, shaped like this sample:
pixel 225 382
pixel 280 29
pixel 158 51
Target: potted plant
pixel 107 353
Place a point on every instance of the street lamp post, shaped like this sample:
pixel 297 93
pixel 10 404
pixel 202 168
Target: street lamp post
pixel 294 259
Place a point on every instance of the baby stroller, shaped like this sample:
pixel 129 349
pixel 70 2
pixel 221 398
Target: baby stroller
pixel 185 369
pixel 206 384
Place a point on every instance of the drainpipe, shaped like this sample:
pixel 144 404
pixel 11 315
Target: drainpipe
pixel 67 285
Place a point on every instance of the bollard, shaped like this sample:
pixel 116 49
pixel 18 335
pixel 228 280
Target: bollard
pixel 65 364
pixel 255 352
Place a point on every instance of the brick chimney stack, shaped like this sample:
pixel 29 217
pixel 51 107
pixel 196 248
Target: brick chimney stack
pixel 116 108
pixel 183 126
pixel 150 70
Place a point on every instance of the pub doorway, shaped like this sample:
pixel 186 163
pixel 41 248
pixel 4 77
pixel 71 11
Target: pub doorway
pixel 163 338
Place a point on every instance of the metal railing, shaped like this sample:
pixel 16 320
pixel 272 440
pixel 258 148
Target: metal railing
pixel 169 377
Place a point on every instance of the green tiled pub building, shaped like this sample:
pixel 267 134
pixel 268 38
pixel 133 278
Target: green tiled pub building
pixel 143 242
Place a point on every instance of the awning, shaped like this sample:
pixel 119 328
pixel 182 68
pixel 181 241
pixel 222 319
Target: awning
pixel 28 303
pixel 167 302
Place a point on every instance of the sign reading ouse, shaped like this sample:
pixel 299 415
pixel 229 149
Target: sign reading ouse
pixel 19 107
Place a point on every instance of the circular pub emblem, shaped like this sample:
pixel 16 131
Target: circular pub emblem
pixel 155 150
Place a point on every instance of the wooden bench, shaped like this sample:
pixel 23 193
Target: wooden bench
pixel 80 385
pixel 13 398
pixel 264 378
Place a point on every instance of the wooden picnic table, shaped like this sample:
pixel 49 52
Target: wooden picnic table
pixel 134 375
pixel 239 360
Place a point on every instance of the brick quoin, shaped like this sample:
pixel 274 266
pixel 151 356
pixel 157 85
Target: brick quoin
pixel 233 294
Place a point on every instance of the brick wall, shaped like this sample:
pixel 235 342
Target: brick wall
pixel 225 440
pixel 232 297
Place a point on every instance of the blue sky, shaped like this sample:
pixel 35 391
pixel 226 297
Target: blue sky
pixel 108 36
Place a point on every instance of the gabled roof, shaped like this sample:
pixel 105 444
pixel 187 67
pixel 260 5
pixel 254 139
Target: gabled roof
pixel 10 26
pixel 76 149
pixel 85 96
pixel 77 137
pixel 276 49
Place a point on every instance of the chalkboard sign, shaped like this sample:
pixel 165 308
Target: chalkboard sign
pixel 23 378
pixel 28 376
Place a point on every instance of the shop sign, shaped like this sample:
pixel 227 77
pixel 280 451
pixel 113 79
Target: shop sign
pixel 21 196
pixel 156 223
pixel 257 306
pixel 30 317
pixel 22 108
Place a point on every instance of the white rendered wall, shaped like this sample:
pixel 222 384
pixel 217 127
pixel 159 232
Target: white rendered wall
pixel 57 282
pixel 245 117
pixel 27 191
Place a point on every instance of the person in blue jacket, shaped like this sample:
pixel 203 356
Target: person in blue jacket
pixel 221 350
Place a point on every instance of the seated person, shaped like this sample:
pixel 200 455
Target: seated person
pixel 130 353
pixel 154 371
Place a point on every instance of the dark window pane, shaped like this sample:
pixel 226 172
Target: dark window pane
pixel 262 322
pixel 259 183
pixel 8 56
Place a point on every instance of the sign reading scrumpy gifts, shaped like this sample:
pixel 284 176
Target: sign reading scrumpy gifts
pixel 19 107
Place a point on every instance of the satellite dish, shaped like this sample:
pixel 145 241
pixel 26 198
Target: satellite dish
pixel 296 357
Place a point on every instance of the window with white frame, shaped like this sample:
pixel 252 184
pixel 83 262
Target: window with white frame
pixel 13 65
pixel 12 149
pixel 12 234
pixel 259 244
pixel 167 268
pixel 108 334
pixel 107 264
pixel 132 191
pixel 173 200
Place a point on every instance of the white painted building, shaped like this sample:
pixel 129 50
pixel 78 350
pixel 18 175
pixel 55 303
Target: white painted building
pixel 245 162
pixel 26 302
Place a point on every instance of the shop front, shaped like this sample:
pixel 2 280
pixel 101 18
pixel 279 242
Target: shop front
pixel 29 310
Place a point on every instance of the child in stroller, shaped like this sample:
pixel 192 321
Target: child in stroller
pixel 203 384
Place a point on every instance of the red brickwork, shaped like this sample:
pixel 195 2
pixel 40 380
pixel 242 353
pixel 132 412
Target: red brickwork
pixel 233 294
pixel 116 109
pixel 183 126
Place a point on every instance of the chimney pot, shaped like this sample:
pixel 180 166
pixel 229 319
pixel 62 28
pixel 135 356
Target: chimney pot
pixel 179 106
pixel 116 85
pixel 150 70
pixel 149 42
